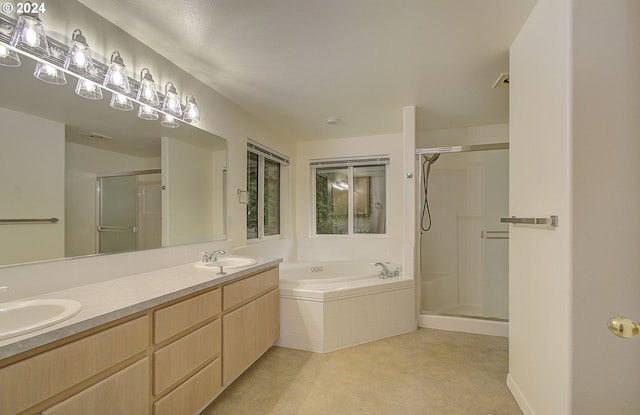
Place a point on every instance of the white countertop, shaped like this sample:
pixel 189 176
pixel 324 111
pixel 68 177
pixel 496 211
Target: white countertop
pixel 111 300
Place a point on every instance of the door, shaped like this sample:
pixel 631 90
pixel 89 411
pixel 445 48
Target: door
pixel 118 214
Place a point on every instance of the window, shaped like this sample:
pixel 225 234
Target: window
pixel 350 196
pixel 263 191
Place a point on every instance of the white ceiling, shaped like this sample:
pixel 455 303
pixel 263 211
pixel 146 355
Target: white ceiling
pixel 293 63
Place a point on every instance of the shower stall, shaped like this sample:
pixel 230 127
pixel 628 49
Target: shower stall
pixel 463 246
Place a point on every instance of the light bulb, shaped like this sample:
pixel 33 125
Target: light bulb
pixel 80 59
pixel 31 37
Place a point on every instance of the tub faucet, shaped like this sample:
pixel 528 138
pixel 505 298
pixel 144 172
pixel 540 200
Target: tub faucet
pixel 212 256
pixel 385 272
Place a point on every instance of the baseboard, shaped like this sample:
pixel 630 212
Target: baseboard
pixel 467 325
pixel 518 396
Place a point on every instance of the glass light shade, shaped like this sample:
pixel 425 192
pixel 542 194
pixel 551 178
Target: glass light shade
pixel 29 32
pixel 8 57
pixel 49 73
pixel 79 56
pixel 120 102
pixel 147 93
pixel 169 122
pixel 116 77
pixel 147 113
pixel 171 104
pixel 191 112
pixel 88 89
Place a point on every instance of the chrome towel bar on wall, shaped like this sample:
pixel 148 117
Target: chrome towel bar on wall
pixel 20 221
pixel 551 221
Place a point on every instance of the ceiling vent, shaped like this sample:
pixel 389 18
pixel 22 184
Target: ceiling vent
pixel 503 80
pixel 99 137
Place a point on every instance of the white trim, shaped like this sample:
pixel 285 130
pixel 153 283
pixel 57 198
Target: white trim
pixel 518 396
pixel 467 325
pixel 264 151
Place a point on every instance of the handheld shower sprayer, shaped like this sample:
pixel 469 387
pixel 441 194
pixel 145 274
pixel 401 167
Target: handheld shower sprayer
pixel 428 161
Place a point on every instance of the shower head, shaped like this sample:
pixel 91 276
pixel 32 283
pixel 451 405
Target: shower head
pixel 432 158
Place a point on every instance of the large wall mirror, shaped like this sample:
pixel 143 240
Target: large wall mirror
pixel 86 179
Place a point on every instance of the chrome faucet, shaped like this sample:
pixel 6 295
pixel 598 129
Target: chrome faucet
pixel 385 272
pixel 212 256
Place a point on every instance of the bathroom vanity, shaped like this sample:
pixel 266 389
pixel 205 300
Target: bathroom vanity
pixel 172 350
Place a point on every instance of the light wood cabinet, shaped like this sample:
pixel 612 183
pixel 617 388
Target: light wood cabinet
pixel 179 317
pixel 194 394
pixel 268 324
pixel 64 367
pixel 174 362
pixel 253 325
pixel 239 341
pixel 126 392
pixel 172 358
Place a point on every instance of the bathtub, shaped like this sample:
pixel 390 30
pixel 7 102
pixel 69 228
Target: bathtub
pixel 331 305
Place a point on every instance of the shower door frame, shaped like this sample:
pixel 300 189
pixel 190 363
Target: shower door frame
pixel 440 150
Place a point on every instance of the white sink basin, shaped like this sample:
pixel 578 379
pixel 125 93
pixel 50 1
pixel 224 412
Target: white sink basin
pixel 227 262
pixel 20 317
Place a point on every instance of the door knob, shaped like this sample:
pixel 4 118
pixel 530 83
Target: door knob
pixel 623 327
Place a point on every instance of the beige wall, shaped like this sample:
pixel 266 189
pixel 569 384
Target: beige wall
pixel 540 185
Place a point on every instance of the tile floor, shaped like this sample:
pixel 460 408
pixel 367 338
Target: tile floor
pixel 423 372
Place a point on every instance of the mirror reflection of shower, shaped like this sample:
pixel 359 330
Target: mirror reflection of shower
pixel 129 211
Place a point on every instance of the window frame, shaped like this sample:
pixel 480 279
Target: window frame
pixel 350 164
pixel 264 153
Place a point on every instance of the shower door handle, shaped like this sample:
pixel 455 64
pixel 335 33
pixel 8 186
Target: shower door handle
pixel 494 234
pixel 552 221
pixel 105 228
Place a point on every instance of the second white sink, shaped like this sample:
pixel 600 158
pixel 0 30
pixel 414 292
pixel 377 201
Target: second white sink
pixel 20 317
pixel 228 262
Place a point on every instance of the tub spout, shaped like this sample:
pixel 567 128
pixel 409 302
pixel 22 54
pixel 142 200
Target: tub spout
pixel 385 272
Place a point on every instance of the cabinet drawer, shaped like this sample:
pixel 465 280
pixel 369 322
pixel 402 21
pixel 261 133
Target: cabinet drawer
pixel 54 371
pixel 194 394
pixel 125 392
pixel 238 292
pixel 178 359
pixel 176 318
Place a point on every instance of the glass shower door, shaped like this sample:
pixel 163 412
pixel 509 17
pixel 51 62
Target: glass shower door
pixel 118 216
pixel 464 256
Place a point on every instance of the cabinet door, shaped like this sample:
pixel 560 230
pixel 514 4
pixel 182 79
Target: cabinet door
pixel 268 320
pixel 238 341
pixel 126 392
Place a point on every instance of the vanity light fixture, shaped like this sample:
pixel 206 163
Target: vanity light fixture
pixel 79 56
pixel 49 73
pixel 88 89
pixel 121 102
pixel 147 93
pixel 29 33
pixel 171 104
pixel 116 77
pixel 191 113
pixel 8 57
pixel 169 121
